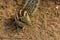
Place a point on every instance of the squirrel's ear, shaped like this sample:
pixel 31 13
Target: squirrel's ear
pixel 21 13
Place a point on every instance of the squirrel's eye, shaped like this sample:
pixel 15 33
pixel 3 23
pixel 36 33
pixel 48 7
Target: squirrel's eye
pixel 25 13
pixel 22 13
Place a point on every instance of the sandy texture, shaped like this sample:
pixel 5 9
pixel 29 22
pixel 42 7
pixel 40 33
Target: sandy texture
pixel 46 21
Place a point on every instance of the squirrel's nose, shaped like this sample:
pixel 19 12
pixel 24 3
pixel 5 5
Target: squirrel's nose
pixel 28 20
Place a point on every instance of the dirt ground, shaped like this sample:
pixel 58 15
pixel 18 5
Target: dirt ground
pixel 46 21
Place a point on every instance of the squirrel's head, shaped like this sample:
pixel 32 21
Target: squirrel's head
pixel 24 17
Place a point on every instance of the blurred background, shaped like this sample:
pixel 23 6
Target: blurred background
pixel 46 21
